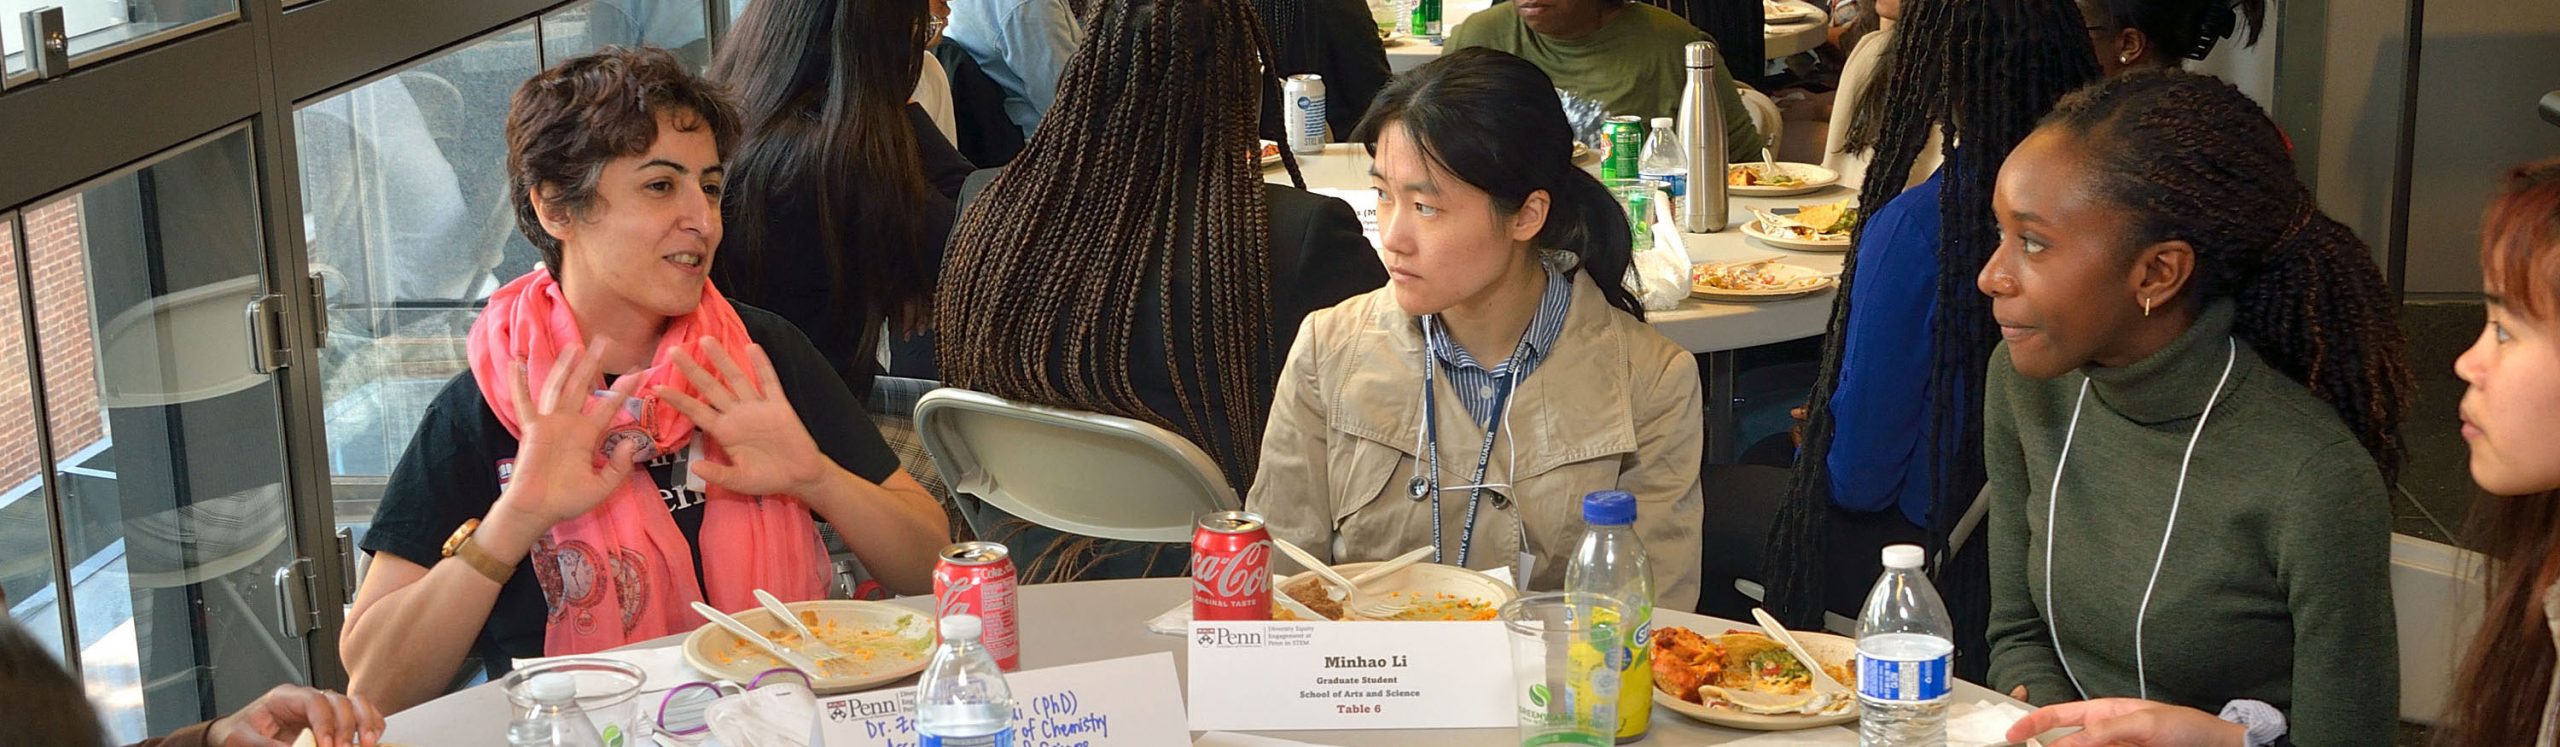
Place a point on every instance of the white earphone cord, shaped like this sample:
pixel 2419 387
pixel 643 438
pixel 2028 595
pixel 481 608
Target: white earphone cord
pixel 2141 675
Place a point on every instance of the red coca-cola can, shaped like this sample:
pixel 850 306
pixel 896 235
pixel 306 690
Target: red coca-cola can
pixel 1231 567
pixel 976 578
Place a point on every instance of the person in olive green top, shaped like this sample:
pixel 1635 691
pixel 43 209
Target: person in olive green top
pixel 2190 421
pixel 1628 56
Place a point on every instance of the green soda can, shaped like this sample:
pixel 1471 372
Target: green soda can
pixel 1626 147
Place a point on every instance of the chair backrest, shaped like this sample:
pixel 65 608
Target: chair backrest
pixel 1764 114
pixel 1074 471
pixel 2435 598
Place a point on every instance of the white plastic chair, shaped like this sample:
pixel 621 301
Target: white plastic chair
pixel 1070 470
pixel 1764 114
pixel 2435 600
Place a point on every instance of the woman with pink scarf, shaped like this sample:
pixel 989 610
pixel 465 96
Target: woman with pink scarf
pixel 626 441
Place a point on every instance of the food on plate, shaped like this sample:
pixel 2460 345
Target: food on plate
pixel 1761 175
pixel 1309 591
pixel 1763 275
pixel 1828 223
pixel 1684 661
pixel 1422 606
pixel 908 641
pixel 1269 150
pixel 1743 670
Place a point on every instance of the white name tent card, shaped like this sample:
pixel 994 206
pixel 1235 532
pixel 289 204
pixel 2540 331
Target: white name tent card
pixel 1126 702
pixel 1288 676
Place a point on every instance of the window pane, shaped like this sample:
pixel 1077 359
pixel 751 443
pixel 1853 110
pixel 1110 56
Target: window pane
pixel 26 523
pixel 406 210
pixel 169 448
pixel 675 25
pixel 99 24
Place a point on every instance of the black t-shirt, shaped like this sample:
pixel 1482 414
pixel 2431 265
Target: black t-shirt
pixel 458 460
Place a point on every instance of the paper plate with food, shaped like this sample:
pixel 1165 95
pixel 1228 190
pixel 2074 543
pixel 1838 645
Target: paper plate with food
pixel 1812 228
pixel 1269 153
pixel 1746 680
pixel 881 642
pixel 1424 591
pixel 1758 280
pixel 1777 179
pixel 1773 11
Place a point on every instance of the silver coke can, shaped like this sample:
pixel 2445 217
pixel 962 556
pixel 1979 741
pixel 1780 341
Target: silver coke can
pixel 1302 101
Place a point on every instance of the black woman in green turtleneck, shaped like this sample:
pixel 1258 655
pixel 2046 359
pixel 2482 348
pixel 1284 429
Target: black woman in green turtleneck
pixel 2191 419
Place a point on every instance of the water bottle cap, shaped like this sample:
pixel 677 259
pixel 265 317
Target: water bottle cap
pixel 1661 121
pixel 1903 556
pixel 1702 54
pixel 1609 508
pixel 961 627
pixel 554 688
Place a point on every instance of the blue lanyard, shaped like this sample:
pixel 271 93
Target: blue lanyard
pixel 1484 458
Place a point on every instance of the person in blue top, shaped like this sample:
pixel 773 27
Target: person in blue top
pixel 1023 45
pixel 1892 439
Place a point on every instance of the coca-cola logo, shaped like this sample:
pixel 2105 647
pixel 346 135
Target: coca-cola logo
pixel 1243 575
pixel 955 599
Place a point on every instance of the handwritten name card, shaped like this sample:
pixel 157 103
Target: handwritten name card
pixel 1126 702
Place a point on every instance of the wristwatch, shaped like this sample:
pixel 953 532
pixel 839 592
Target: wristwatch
pixel 460 546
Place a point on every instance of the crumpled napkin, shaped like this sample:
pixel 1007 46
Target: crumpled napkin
pixel 772 716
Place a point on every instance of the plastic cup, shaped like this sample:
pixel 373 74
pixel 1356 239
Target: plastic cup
pixel 608 691
pixel 1566 690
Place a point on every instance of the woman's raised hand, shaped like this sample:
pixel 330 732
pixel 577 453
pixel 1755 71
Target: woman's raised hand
pixel 558 474
pixel 765 449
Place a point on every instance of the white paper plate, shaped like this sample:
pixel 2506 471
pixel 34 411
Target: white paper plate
pixel 700 646
pixel 1827 647
pixel 1815 178
pixel 1713 293
pixel 1787 13
pixel 1754 230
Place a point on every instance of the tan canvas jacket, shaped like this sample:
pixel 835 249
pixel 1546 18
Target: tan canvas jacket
pixel 1615 405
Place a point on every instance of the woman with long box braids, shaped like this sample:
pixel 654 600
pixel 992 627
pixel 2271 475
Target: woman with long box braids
pixel 2190 420
pixel 1133 261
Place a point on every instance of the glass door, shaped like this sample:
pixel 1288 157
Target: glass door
pixel 165 440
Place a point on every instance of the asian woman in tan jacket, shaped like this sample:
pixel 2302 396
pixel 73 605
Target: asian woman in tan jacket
pixel 1492 353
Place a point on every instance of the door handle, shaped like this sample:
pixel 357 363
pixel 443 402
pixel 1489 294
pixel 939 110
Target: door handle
pixel 293 599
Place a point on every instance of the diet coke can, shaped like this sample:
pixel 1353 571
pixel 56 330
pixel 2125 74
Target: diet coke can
pixel 1231 567
pixel 1302 104
pixel 976 578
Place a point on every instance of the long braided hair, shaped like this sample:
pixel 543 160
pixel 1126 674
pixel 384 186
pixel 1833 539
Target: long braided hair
pixel 1143 177
pixel 824 86
pixel 2195 159
pixel 1986 70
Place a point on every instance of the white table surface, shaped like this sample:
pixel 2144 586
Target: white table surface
pixel 1091 621
pixel 1698 326
pixel 1781 40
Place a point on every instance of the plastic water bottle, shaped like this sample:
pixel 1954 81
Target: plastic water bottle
pixel 1610 563
pixel 1905 644
pixel 554 720
pixel 1663 162
pixel 962 700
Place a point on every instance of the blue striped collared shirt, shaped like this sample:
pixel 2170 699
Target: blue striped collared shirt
pixel 1477 385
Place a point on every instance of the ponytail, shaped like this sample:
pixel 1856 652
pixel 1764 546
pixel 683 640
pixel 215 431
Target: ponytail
pixel 1493 121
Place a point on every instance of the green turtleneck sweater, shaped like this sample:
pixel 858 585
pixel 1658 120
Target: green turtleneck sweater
pixel 2276 583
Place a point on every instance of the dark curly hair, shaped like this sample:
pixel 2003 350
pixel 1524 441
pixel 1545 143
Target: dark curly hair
pixel 567 122
pixel 2194 159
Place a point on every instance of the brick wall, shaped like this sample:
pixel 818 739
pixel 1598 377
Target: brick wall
pixel 56 261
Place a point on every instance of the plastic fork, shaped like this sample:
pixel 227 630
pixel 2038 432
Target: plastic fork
pixel 1384 606
pixel 787 656
pixel 827 657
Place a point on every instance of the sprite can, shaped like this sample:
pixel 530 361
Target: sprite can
pixel 1625 137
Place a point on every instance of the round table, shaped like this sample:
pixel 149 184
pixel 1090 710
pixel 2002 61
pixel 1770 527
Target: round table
pixel 1712 328
pixel 1091 621
pixel 1782 40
